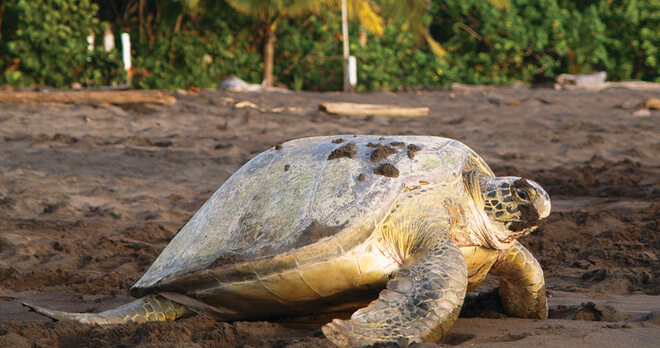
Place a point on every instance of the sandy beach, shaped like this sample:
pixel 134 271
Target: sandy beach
pixel 90 194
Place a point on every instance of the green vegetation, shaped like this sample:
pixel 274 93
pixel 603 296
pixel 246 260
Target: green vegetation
pixel 195 43
pixel 45 42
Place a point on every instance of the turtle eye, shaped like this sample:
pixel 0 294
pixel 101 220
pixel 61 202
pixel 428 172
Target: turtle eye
pixel 522 194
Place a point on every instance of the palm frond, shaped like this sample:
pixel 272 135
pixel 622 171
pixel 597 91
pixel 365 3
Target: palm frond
pixel 412 11
pixel 368 13
pixel 302 7
pixel 436 47
pixel 262 9
pixel 405 9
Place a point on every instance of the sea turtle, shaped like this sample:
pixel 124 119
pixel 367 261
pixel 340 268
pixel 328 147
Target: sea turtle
pixel 399 226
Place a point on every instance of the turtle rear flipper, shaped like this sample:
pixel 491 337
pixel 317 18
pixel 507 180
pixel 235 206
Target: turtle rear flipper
pixel 152 307
pixel 420 304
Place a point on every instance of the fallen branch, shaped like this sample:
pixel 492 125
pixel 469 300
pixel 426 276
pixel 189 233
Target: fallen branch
pixel 652 103
pixel 356 109
pixel 634 85
pixel 596 82
pixel 110 97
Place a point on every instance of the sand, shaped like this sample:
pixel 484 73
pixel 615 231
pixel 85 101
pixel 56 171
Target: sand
pixel 90 194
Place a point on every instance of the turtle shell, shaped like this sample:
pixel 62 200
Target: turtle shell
pixel 302 201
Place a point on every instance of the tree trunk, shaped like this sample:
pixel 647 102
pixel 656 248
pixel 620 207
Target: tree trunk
pixel 2 13
pixel 269 55
pixel 141 20
pixel 344 32
pixel 363 37
pixel 179 22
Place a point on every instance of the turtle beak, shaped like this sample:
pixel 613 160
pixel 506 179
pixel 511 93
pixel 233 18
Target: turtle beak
pixel 542 202
pixel 543 208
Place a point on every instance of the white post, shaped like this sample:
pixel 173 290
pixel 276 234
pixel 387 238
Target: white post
pixel 352 72
pixel 90 47
pixel 344 32
pixel 108 40
pixel 126 54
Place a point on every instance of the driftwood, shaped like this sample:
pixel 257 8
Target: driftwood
pixel 235 84
pixel 110 97
pixel 596 82
pixel 634 85
pixel 356 109
pixel 652 103
pixel 587 81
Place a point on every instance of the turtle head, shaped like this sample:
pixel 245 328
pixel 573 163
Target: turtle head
pixel 516 206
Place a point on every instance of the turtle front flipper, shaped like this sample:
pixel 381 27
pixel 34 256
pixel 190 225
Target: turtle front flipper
pixel 522 287
pixel 152 307
pixel 420 304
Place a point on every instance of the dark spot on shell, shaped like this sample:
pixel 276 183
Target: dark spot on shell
pixel 499 214
pixel 494 202
pixel 287 167
pixel 499 206
pixel 504 185
pixel 388 170
pixel 338 141
pixel 507 199
pixel 492 194
pixel 397 143
pixel 412 148
pixel 278 146
pixel 361 177
pixel 382 152
pixel 506 192
pixel 347 150
pixel 316 231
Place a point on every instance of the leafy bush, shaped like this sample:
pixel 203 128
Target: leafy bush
pixel 632 38
pixel 308 53
pixel 208 46
pixel 534 40
pixel 45 42
pixel 310 57
pixel 193 59
pixel 395 61
pixel 531 40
